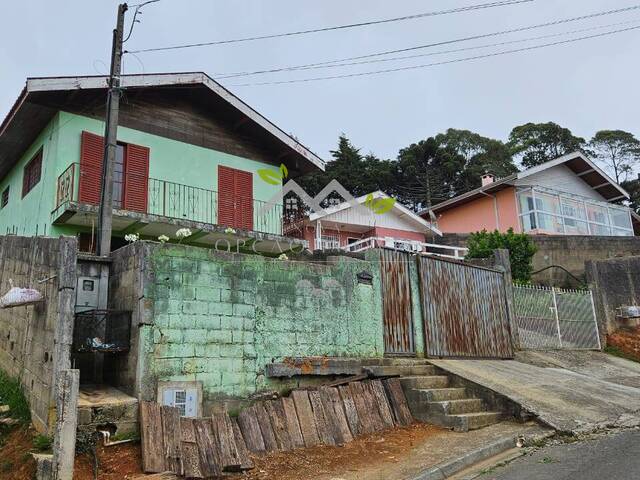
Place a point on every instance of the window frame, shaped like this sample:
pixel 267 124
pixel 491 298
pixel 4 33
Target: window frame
pixel 28 182
pixel 4 197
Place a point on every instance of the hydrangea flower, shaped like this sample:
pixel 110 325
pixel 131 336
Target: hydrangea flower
pixel 163 239
pixel 132 237
pixel 283 256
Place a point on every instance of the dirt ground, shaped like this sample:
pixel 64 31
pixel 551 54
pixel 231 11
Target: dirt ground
pixel 118 462
pixel 365 452
pixel 16 463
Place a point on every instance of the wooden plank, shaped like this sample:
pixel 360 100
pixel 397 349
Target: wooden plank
pixel 151 437
pixel 362 408
pixel 322 424
pixel 372 405
pixel 330 416
pixel 279 424
pixel 229 458
pixel 250 429
pixel 383 403
pixel 243 451
pixel 207 447
pixel 345 380
pixel 270 442
pixel 305 417
pixel 293 425
pixel 171 439
pixel 350 410
pixel 332 397
pixel 190 454
pixel 398 401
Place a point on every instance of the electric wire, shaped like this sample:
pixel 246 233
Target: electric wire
pixel 338 27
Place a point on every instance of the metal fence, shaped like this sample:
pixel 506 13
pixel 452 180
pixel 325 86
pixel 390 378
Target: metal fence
pixel 552 318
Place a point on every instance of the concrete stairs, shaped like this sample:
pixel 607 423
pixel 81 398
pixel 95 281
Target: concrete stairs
pixel 433 397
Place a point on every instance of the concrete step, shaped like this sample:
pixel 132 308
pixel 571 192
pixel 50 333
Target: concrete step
pixel 401 370
pixel 454 407
pixel 423 382
pixel 464 422
pixel 442 394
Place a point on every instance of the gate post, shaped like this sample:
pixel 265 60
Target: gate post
pixel 501 258
pixel 555 310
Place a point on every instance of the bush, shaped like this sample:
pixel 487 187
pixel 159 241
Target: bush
pixel 520 246
pixel 11 394
pixel 42 443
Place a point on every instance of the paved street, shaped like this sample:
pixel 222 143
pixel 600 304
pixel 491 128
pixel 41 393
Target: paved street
pixel 614 456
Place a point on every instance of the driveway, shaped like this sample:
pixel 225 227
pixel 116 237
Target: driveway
pixel 576 401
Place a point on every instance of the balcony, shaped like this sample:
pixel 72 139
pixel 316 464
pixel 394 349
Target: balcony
pixel 457 253
pixel 151 207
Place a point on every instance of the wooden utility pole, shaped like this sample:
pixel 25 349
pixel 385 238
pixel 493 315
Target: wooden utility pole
pixel 105 214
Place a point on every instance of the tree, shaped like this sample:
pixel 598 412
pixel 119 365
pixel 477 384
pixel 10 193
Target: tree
pixel 633 187
pixel 479 154
pixel 618 150
pixel 538 143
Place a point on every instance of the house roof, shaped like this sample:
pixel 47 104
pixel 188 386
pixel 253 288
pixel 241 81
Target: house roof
pixel 43 97
pixel 577 162
pixel 398 208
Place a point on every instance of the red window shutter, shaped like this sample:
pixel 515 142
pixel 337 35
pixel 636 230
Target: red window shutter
pixel 136 178
pixel 91 153
pixel 244 199
pixel 235 198
pixel 226 191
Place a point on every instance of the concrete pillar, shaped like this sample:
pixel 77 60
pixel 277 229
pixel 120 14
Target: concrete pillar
pixel 501 258
pixel 64 442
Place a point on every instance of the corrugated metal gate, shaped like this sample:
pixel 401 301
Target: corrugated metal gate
pixel 554 318
pixel 396 303
pixel 464 309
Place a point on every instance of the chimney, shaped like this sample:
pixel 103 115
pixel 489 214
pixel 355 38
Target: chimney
pixel 487 178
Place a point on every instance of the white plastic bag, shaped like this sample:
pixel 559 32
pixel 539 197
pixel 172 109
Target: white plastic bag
pixel 18 297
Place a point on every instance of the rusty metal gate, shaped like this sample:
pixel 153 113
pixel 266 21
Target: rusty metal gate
pixel 396 303
pixel 464 309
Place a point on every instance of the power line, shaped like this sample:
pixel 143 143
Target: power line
pixel 135 15
pixel 444 42
pixel 459 60
pixel 340 27
pixel 430 54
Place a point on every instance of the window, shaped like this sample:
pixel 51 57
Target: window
pixel 5 197
pixel 351 240
pixel 182 395
pixel 32 172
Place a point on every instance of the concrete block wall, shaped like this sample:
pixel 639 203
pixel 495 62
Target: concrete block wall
pixel 28 335
pixel 219 318
pixel 568 251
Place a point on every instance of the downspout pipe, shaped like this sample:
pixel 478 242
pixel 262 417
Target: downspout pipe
pixel 495 208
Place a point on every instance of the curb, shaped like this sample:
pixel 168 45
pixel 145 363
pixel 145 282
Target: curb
pixel 451 467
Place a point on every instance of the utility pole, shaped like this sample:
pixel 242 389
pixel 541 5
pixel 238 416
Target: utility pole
pixel 105 214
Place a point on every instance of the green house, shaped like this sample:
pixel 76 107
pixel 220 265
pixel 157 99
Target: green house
pixel 189 156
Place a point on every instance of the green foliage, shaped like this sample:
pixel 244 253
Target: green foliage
pixel 633 187
pixel 538 143
pixel 520 246
pixel 618 150
pixel 42 443
pixel 11 395
pixel 617 352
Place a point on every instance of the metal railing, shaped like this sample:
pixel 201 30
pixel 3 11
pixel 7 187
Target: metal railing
pixel 551 318
pixel 178 201
pixel 407 246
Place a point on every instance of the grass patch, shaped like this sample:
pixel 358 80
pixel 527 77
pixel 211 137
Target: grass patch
pixel 133 436
pixel 11 394
pixel 617 352
pixel 42 443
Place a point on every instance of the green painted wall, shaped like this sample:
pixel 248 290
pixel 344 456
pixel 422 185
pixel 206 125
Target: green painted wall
pixel 170 161
pixel 220 318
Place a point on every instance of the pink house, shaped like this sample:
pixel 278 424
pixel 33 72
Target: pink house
pixel 354 226
pixel 567 196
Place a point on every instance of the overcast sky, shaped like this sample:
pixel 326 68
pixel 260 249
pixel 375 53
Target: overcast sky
pixel 585 86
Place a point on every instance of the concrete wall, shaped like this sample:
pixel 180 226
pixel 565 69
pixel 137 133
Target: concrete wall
pixel 568 251
pixel 219 318
pixel 615 283
pixel 35 340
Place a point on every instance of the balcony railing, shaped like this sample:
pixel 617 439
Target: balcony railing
pixel 407 246
pixel 152 196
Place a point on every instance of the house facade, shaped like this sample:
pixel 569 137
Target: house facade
pixel 357 225
pixel 189 156
pixel 567 196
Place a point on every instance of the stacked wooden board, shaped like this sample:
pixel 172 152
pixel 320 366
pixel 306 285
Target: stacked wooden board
pixel 207 447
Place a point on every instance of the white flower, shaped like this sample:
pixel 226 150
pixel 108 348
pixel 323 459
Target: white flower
pixel 132 237
pixel 163 239
pixel 283 256
pixel 183 233
pixel 229 230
